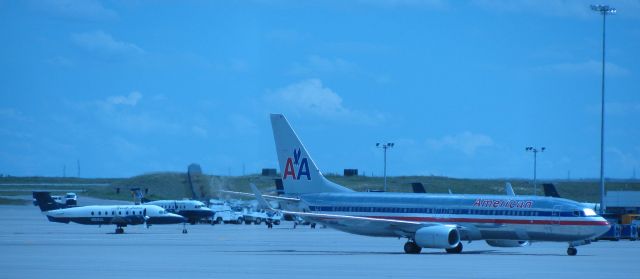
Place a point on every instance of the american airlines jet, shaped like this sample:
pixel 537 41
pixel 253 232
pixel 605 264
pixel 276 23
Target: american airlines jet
pixel 426 220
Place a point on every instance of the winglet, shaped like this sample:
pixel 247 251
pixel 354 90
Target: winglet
pixel 261 201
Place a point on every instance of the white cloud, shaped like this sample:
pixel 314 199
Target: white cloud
pixel 627 160
pixel 199 131
pixel 316 65
pixel 559 8
pixel 242 124
pixel 12 114
pixel 101 42
pixel 59 61
pixel 310 96
pixel 131 100
pixel 432 4
pixel 552 8
pixel 591 67
pixel 75 9
pixel 466 142
pixel 618 108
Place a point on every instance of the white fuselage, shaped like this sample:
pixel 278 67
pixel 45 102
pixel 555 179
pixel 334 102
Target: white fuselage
pixel 114 214
pixel 480 216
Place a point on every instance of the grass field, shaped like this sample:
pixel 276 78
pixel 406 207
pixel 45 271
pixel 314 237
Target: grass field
pixel 173 185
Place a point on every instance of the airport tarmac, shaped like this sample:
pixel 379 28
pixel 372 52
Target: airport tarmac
pixel 32 247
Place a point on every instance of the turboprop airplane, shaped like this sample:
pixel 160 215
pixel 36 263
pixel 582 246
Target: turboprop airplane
pixel 193 210
pixel 426 220
pixel 119 215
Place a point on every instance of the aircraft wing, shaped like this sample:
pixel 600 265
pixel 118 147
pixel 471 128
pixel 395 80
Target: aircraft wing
pixel 355 224
pixel 268 197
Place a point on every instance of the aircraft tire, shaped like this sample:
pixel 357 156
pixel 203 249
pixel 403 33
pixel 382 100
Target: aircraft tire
pixel 455 250
pixel 412 248
pixel 572 251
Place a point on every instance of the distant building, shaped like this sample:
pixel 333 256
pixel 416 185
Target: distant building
pixel 269 172
pixel 623 202
pixel 350 172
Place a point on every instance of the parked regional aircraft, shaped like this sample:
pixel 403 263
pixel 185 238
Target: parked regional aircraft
pixel 193 210
pixel 427 220
pixel 119 215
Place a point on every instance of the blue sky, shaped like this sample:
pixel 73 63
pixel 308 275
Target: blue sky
pixel 461 87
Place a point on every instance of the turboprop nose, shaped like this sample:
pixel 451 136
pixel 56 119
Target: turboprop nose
pixel 175 218
pixel 169 218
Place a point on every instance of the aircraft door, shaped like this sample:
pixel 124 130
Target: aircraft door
pixel 555 219
pixel 555 215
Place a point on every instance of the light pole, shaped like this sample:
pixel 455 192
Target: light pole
pixel 535 159
pixel 384 147
pixel 604 10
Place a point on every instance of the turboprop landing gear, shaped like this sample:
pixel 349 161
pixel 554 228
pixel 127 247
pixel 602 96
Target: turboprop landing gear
pixel 184 228
pixel 119 230
pixel 412 248
pixel 572 251
pixel 455 250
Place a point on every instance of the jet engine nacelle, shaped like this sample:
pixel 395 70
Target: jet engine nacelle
pixel 507 243
pixel 437 237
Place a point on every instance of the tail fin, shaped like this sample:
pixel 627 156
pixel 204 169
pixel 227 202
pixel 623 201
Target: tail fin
pixel 508 189
pixel 138 196
pixel 46 202
pixel 418 187
pixel 300 175
pixel 550 190
pixel 279 187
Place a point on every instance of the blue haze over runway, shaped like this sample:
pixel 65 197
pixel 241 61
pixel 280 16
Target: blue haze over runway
pixel 461 87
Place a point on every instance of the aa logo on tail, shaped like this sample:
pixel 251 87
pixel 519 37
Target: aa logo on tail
pixel 301 164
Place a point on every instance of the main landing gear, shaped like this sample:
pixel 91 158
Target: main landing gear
pixel 119 230
pixel 572 251
pixel 184 228
pixel 412 248
pixel 455 250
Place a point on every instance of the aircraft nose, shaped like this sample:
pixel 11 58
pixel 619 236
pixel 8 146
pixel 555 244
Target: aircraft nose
pixel 602 227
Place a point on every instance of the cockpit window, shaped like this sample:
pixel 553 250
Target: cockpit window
pixel 589 212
